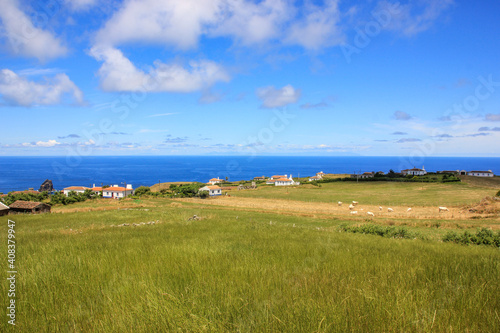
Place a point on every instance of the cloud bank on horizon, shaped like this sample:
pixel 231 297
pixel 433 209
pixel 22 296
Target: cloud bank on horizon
pixel 250 77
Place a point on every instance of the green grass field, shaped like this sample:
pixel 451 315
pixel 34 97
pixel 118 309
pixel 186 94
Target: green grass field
pixel 246 271
pixel 376 193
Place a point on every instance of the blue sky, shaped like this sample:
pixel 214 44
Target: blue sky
pixel 224 77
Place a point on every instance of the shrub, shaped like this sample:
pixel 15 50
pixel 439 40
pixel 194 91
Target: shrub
pixel 203 194
pixel 498 194
pixel 142 190
pixel 483 236
pixel 373 229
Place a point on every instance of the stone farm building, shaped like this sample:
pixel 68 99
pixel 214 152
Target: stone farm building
pixel 4 209
pixel 21 206
pixel 213 190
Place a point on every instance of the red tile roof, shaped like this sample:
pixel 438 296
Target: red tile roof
pixel 283 180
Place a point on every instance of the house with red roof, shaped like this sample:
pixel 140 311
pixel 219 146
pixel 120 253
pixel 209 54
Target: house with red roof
pixel 115 191
pixel 212 190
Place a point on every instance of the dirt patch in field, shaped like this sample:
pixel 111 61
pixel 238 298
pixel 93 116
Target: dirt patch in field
pixel 334 210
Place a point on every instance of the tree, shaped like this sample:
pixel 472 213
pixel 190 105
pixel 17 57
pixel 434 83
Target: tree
pixel 142 190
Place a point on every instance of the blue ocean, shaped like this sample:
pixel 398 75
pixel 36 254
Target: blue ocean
pixel 20 173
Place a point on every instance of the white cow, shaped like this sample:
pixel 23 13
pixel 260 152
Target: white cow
pixel 339 203
pixel 370 214
pixel 390 210
pixel 354 203
pixel 380 208
pixel 351 207
pixel 408 210
pixel 443 209
pixel 354 212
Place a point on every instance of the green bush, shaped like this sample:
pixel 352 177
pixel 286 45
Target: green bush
pixel 482 236
pixel 498 194
pixel 203 194
pixel 142 190
pixel 378 230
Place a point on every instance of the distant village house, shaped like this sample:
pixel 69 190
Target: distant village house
pixel 20 207
pixel 214 181
pixel 488 173
pixel 414 172
pixel 212 190
pixel 284 181
pixel 76 189
pixel 115 191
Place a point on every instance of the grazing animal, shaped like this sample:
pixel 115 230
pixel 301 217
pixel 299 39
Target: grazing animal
pixel 351 207
pixel 354 212
pixel 340 203
pixel 380 208
pixel 443 209
pixel 370 214
pixel 354 203
pixel 390 210
pixel 408 210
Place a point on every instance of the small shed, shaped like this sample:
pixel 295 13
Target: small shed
pixel 32 207
pixel 4 209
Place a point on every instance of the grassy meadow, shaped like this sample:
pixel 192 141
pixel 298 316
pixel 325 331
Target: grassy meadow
pixel 238 269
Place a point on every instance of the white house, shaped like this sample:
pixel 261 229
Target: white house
pixel 320 174
pixel 414 172
pixel 314 178
pixel 271 181
pixel 77 189
pixel 115 191
pixel 214 181
pixel 488 173
pixel 284 181
pixel 279 176
pixel 212 190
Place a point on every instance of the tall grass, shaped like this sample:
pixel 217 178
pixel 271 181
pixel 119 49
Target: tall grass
pixel 242 271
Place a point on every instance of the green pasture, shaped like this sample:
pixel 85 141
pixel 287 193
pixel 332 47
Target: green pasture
pixel 376 193
pixel 242 271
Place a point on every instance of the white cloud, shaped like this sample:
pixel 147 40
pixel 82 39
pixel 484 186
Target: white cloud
pixel 118 73
pixel 250 22
pixel 18 90
pixel 274 98
pixel 79 5
pixel 181 24
pixel 414 17
pixel 400 115
pixel 50 143
pixel 318 29
pixel 492 117
pixel 23 38
pixel 170 22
